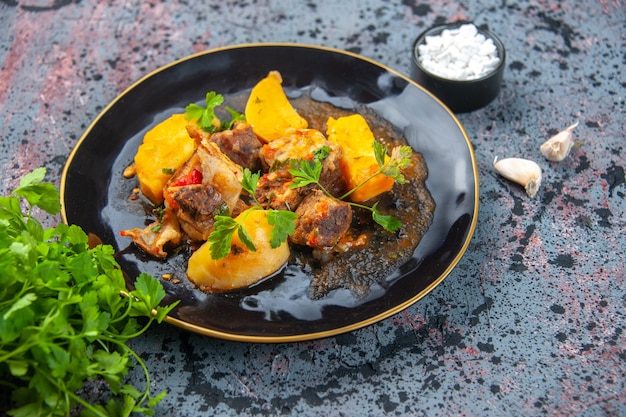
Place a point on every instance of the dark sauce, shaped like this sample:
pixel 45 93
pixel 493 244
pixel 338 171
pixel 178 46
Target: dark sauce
pixel 358 268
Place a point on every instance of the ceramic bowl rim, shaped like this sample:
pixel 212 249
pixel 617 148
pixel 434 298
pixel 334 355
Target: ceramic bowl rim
pixel 437 29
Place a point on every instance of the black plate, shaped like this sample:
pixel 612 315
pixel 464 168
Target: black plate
pixel 95 194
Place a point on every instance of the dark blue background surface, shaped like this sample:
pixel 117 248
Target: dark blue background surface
pixel 531 322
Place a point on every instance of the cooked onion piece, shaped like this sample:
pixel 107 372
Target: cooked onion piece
pixel 154 237
pixel 242 267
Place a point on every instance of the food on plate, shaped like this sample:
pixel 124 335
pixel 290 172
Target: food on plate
pixel 164 149
pixel 247 202
pixel 276 186
pixel 321 220
pixel 239 144
pixel 242 266
pixel 209 183
pixel 153 238
pixel 269 111
pixel 358 162
pixel 206 185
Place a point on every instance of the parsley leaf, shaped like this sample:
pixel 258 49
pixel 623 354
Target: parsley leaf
pixel 321 153
pixel 250 181
pixel 222 236
pixel 400 159
pixel 235 116
pixel 379 153
pixel 245 238
pixel 305 172
pixel 36 193
pixel 284 222
pixel 389 223
pixel 205 116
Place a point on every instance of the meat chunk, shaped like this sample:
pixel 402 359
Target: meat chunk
pixel 307 144
pixel 209 183
pixel 197 205
pixel 240 144
pixel 332 177
pixel 219 172
pixel 322 221
pixel 294 144
pixel 274 191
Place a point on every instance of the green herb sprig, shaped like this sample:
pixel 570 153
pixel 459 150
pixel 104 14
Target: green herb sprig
pixel 283 222
pixel 66 315
pixel 308 172
pixel 206 116
pixel 222 235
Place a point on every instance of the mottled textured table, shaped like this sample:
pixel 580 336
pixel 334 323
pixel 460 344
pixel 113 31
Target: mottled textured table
pixel 530 322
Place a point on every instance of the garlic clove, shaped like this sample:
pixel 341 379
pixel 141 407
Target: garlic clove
pixel 558 146
pixel 521 171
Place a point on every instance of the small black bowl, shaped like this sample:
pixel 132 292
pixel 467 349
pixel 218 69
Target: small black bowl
pixel 461 96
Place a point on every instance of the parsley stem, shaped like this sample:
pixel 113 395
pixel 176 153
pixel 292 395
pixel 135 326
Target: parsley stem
pixel 343 197
pixel 17 352
pixel 124 315
pixel 137 333
pixel 141 363
pixel 69 393
pixel 361 206
pixel 324 190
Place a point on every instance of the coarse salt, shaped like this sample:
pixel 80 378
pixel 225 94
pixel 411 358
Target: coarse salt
pixel 459 54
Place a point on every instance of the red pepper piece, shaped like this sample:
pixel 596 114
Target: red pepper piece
pixel 194 177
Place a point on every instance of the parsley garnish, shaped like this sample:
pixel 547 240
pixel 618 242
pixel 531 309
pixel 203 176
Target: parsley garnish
pixel 159 212
pixel 283 222
pixel 305 173
pixel 235 116
pixel 389 223
pixel 65 313
pixel 309 172
pixel 321 153
pixel 222 235
pixel 206 117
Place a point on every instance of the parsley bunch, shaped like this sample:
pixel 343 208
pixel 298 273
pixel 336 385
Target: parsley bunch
pixel 65 314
